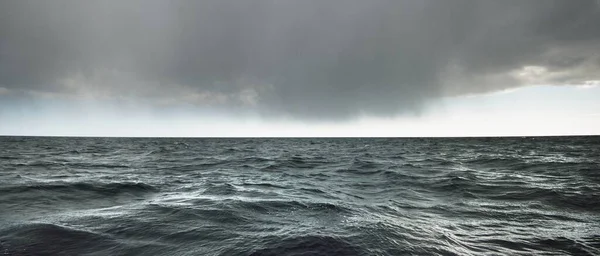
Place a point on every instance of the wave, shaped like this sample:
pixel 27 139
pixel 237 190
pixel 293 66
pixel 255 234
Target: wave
pixel 295 162
pixel 50 239
pixel 99 188
pixel 263 185
pixel 358 171
pixel 43 239
pixel 220 189
pixel 66 164
pixel 309 245
pixel 265 206
pixel 209 213
pixel 562 245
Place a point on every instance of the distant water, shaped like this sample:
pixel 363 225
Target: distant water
pixel 464 196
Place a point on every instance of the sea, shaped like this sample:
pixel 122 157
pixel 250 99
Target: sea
pixel 300 196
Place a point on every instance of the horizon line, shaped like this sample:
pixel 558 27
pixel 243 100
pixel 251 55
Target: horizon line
pixel 302 137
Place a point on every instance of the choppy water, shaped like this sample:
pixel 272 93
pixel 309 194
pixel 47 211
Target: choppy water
pixel 119 196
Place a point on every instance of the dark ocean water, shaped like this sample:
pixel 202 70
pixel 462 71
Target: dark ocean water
pixel 463 196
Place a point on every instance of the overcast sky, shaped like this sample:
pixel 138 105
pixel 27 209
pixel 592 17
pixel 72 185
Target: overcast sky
pixel 300 68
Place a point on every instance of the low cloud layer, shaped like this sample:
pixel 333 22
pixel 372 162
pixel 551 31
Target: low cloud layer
pixel 308 60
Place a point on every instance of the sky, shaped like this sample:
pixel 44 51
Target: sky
pixel 299 68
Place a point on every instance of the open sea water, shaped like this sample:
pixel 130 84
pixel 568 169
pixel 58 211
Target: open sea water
pixel 360 196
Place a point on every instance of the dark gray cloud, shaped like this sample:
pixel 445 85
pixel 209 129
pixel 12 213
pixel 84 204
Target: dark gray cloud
pixel 306 59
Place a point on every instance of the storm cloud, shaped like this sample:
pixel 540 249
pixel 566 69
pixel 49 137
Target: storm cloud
pixel 310 59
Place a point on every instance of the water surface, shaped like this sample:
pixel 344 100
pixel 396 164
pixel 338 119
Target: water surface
pixel 150 196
